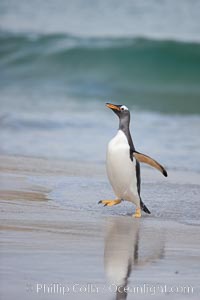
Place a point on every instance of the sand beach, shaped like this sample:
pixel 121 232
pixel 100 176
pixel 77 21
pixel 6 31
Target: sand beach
pixel 60 63
pixel 58 243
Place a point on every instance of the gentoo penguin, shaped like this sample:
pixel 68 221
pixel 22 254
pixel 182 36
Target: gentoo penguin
pixel 123 164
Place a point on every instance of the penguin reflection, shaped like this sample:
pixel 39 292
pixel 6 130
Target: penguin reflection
pixel 124 237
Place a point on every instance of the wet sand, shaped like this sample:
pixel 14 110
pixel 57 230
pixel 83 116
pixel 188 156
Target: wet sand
pixel 58 243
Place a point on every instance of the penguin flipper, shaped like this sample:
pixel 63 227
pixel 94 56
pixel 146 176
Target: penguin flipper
pixel 150 161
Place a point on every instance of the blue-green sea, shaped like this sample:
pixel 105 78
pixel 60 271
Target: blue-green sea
pixel 60 61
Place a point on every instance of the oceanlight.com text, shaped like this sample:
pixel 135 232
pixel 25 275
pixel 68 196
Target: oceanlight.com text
pixel 92 288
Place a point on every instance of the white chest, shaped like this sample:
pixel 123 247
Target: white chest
pixel 120 168
pixel 118 154
pixel 118 142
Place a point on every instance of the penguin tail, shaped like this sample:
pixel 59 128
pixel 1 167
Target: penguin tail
pixel 144 208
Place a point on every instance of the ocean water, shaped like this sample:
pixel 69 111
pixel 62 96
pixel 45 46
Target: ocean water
pixel 60 61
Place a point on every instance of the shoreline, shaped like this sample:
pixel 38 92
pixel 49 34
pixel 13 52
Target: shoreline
pixel 29 165
pixel 53 230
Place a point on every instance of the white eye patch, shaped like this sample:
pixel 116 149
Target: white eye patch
pixel 123 107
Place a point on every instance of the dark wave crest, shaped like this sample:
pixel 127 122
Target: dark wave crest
pixel 148 71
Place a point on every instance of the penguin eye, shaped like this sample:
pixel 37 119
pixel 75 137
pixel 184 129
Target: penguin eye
pixel 123 107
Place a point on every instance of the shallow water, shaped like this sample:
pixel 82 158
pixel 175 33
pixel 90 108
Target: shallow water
pixel 89 259
pixel 166 201
pixel 56 77
pixel 83 136
pixel 57 72
pixel 65 242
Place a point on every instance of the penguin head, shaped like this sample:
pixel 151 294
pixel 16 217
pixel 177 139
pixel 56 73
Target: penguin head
pixel 120 110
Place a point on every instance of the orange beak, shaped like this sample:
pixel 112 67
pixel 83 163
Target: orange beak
pixel 112 106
